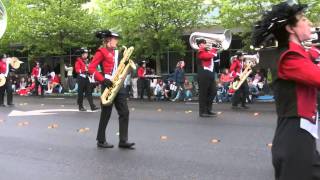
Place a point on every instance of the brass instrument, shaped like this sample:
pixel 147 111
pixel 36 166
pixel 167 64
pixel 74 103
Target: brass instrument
pixel 314 37
pixel 251 61
pixel 125 65
pixel 14 63
pixel 223 41
pixel 3 19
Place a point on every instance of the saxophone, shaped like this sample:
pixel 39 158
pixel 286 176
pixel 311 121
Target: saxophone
pixel 125 65
pixel 14 63
pixel 251 61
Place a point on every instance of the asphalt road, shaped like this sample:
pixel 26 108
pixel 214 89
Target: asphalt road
pixel 172 142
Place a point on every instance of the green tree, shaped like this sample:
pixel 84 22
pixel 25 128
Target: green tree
pixel 244 13
pixel 153 26
pixel 50 27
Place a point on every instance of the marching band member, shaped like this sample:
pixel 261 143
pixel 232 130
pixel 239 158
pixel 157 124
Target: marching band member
pixel 143 82
pixel 36 73
pixel 107 56
pixel 242 93
pixel 84 85
pixel 7 87
pixel 294 150
pixel 207 84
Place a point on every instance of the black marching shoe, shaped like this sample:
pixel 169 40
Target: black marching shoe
pixel 10 104
pixel 2 105
pixel 126 145
pixel 82 109
pixel 213 114
pixel 234 107
pixel 94 108
pixel 104 145
pixel 245 107
pixel 205 115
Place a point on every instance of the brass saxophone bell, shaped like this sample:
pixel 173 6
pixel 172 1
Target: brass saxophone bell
pixel 2 80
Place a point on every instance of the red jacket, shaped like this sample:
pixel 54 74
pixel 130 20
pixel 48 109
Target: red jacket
pixel 297 84
pixel 314 52
pixel 56 79
pixel 3 67
pixel 206 56
pixel 35 71
pixel 236 67
pixel 141 71
pixel 106 58
pixel 80 66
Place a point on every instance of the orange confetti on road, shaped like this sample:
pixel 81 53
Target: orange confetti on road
pixel 25 123
pixel 269 145
pixel 187 112
pixel 82 130
pixel 52 126
pixel 219 112
pixel 159 110
pixel 256 114
pixel 163 138
pixel 215 141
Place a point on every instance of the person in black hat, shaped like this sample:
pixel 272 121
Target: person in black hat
pixel 206 78
pixel 83 80
pixel 294 150
pixel 107 57
pixel 242 93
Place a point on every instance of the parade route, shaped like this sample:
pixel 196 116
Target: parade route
pixel 172 142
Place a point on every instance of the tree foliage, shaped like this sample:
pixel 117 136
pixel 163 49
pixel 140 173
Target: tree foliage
pixel 47 27
pixel 153 26
pixel 244 13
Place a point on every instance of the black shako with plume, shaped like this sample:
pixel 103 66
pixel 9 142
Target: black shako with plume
pixel 273 23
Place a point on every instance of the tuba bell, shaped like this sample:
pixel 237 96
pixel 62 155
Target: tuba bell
pixel 3 19
pixel 223 41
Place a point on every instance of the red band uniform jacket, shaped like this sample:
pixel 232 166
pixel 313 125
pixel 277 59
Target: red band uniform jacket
pixel 206 58
pixel 236 67
pixel 296 86
pixel 104 57
pixel 80 66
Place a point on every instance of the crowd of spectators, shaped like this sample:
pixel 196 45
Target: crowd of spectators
pixel 173 87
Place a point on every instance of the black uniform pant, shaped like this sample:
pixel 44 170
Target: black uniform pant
pixel 84 86
pixel 240 96
pixel 294 152
pixel 207 90
pixel 7 87
pixel 143 86
pixel 120 103
pixel 37 87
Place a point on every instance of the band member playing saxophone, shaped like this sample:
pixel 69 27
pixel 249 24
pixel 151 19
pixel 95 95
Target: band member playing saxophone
pixel 84 85
pixel 294 149
pixel 7 87
pixel 242 93
pixel 107 57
